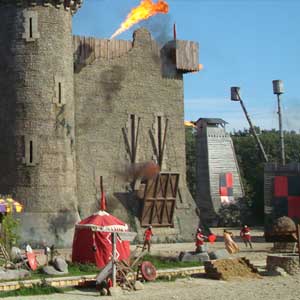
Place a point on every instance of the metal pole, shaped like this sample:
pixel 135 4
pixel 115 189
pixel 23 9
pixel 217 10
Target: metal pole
pixel 261 147
pixel 281 131
pixel 114 267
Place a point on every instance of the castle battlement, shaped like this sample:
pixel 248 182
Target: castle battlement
pixel 182 55
pixel 72 5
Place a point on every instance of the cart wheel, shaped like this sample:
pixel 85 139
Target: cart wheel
pixel 148 271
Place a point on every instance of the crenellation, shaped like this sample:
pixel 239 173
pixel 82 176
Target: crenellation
pixel 69 5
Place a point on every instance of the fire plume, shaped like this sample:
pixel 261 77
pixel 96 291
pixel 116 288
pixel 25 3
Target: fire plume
pixel 200 67
pixel 190 124
pixel 144 11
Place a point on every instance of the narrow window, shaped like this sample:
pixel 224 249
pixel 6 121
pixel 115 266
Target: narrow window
pixel 30 25
pixel 59 93
pixel 132 127
pixel 159 135
pixel 30 28
pixel 23 146
pixel 31 152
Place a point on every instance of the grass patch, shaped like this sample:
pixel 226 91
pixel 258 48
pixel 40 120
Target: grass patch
pixel 38 289
pixel 82 269
pixel 76 269
pixel 169 263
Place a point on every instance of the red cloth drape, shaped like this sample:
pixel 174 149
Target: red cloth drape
pixel 84 252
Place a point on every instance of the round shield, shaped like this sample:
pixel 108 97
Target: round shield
pixel 148 271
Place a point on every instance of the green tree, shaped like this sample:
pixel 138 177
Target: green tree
pixel 190 150
pixel 251 165
pixel 10 231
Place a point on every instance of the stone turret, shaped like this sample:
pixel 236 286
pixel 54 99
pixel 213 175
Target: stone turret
pixel 37 156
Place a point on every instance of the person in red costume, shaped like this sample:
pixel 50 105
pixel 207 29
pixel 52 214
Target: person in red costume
pixel 246 236
pixel 147 238
pixel 200 238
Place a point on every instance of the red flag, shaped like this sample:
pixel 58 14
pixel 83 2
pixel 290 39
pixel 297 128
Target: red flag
pixel 103 201
pixel 32 262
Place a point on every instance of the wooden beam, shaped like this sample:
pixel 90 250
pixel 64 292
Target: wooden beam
pixel 134 151
pixel 127 142
pixel 161 157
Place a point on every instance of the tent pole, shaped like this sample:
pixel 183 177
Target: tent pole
pixel 101 184
pixel 101 193
pixel 114 269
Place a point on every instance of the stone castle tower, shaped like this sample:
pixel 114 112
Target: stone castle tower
pixel 74 109
pixel 36 92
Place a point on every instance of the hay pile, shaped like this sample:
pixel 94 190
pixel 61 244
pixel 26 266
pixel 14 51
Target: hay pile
pixel 227 269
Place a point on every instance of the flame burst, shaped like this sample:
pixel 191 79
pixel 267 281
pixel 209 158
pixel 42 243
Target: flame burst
pixel 190 124
pixel 144 11
pixel 200 67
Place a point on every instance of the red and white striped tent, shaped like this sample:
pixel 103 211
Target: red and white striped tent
pixel 92 239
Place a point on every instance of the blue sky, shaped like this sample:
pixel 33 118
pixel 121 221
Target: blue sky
pixel 245 43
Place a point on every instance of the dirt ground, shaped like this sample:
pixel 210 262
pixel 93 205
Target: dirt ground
pixel 266 288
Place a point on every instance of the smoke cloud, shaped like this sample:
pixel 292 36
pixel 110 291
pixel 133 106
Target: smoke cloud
pixel 160 27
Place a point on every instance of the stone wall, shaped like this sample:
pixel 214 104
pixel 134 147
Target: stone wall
pixel 37 119
pixel 289 263
pixel 110 93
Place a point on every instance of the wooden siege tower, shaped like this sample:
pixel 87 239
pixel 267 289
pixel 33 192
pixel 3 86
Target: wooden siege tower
pixel 218 176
